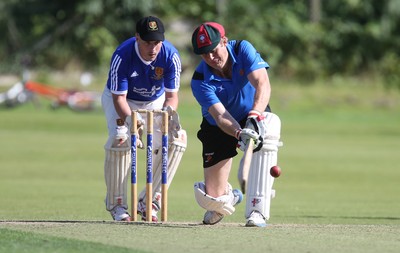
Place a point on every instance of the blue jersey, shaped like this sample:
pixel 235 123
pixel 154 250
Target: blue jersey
pixel 236 94
pixel 140 80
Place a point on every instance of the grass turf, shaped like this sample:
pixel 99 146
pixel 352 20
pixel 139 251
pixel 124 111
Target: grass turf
pixel 338 190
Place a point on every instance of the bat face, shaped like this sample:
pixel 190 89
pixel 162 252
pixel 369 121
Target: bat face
pixel 246 166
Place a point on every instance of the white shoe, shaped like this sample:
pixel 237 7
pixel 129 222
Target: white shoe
pixel 256 220
pixel 213 217
pixel 154 210
pixel 118 213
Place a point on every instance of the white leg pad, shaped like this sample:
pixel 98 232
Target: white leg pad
pixel 175 152
pixel 259 188
pixel 116 170
pixel 222 204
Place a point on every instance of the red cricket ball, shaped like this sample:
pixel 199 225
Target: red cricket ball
pixel 275 171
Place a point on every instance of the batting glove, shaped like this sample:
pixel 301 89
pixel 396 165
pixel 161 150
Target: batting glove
pixel 245 136
pixel 253 120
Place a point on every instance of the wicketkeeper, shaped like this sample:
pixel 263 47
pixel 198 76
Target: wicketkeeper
pixel 232 86
pixel 144 74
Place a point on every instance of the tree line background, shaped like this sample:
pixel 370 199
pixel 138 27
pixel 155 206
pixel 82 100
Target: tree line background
pixel 304 39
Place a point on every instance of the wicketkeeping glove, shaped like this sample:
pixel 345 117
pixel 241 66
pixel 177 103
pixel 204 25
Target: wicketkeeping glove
pixel 122 131
pixel 140 125
pixel 174 125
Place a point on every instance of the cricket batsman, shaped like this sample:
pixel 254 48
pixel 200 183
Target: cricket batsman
pixel 231 85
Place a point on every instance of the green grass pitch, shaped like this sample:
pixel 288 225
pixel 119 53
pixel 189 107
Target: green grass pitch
pixel 338 192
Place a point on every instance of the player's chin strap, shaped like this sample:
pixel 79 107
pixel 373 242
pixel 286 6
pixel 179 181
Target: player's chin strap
pixel 220 205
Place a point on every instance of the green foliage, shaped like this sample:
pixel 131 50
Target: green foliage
pixel 56 33
pixel 350 37
pixel 389 67
pixel 196 10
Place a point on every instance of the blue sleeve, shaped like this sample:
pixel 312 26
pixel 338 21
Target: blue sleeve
pixel 172 77
pixel 117 77
pixel 173 67
pixel 250 58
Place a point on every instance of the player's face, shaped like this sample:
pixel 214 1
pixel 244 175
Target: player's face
pixel 217 58
pixel 149 49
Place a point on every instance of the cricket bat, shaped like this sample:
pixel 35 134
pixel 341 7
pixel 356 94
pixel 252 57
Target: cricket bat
pixel 248 153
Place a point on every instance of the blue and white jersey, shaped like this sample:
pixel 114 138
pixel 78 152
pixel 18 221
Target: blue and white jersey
pixel 141 80
pixel 236 94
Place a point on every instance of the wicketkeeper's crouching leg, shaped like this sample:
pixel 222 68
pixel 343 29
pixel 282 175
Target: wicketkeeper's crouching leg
pixel 259 188
pixel 116 169
pixel 177 142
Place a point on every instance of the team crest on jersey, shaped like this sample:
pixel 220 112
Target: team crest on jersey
pixel 158 73
pixel 153 25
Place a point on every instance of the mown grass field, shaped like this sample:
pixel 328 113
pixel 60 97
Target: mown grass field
pixel 339 190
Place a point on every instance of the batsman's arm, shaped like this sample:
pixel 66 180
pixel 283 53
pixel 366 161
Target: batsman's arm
pixel 260 81
pixel 224 119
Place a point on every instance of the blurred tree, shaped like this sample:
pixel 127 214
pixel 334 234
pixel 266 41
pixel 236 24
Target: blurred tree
pixel 362 36
pixel 306 39
pixel 54 33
